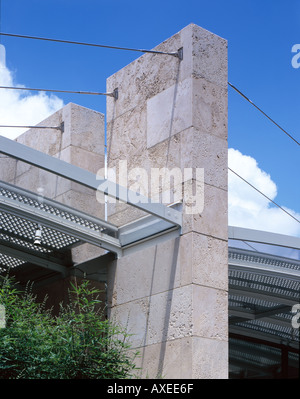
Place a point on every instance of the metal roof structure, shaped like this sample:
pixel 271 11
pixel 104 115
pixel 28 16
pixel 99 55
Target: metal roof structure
pixel 264 285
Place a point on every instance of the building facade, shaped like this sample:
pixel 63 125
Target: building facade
pixel 144 214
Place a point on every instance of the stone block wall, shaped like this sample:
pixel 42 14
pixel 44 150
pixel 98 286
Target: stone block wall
pixel 82 144
pixel 173 296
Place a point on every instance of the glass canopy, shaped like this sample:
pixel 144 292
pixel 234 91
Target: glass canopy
pixel 48 208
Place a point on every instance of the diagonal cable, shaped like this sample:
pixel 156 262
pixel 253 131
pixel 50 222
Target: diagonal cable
pixel 260 110
pixel 273 202
pixel 59 91
pixel 177 54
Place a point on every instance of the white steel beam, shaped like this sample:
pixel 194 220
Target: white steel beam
pixel 36 258
pixel 243 234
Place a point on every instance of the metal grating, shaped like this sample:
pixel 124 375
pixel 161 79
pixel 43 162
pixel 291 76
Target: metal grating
pixel 275 330
pixel 7 262
pixel 17 233
pixel 266 284
pixel 21 231
pixel 262 259
pixel 40 203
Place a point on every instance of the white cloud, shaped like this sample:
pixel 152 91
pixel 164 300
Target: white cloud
pixel 21 107
pixel 248 208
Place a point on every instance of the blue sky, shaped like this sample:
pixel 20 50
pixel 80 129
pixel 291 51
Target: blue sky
pixel 260 37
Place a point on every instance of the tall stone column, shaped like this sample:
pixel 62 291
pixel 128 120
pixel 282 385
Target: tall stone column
pixel 172 297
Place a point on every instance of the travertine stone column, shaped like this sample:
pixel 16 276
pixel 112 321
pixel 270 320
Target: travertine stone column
pixel 82 144
pixel 173 296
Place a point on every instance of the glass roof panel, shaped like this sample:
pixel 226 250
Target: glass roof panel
pixel 277 250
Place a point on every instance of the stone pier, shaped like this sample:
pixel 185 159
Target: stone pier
pixel 172 297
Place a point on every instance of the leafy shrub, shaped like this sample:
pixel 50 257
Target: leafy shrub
pixel 77 344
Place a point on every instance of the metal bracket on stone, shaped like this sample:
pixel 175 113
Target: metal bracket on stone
pixel 180 53
pixel 116 94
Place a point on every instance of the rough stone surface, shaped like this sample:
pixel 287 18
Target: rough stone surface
pixel 81 144
pixel 173 114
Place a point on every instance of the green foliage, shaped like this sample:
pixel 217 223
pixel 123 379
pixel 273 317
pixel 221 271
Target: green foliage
pixel 77 344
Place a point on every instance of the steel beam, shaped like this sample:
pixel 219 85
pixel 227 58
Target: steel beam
pixel 263 237
pixel 261 295
pixel 247 315
pixel 259 335
pixel 27 255
pixel 95 269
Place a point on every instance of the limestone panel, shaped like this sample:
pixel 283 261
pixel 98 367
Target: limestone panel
pixel 210 359
pixel 209 56
pixel 156 269
pixel 84 159
pixel 133 317
pixel 210 313
pixel 205 258
pixel 204 55
pixel 167 360
pixel 167 153
pixel 184 358
pixel 86 203
pixel 44 140
pixel 7 168
pixel 34 179
pixel 213 220
pixel 192 258
pixel 158 318
pixel 210 107
pixel 169 112
pixel 84 129
pixel 170 315
pixel 132 277
pixel 202 150
pixel 136 82
pixel 85 252
pixel 81 144
pixel 127 135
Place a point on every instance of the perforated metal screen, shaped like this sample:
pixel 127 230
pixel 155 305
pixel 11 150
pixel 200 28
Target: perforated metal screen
pixel 19 222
